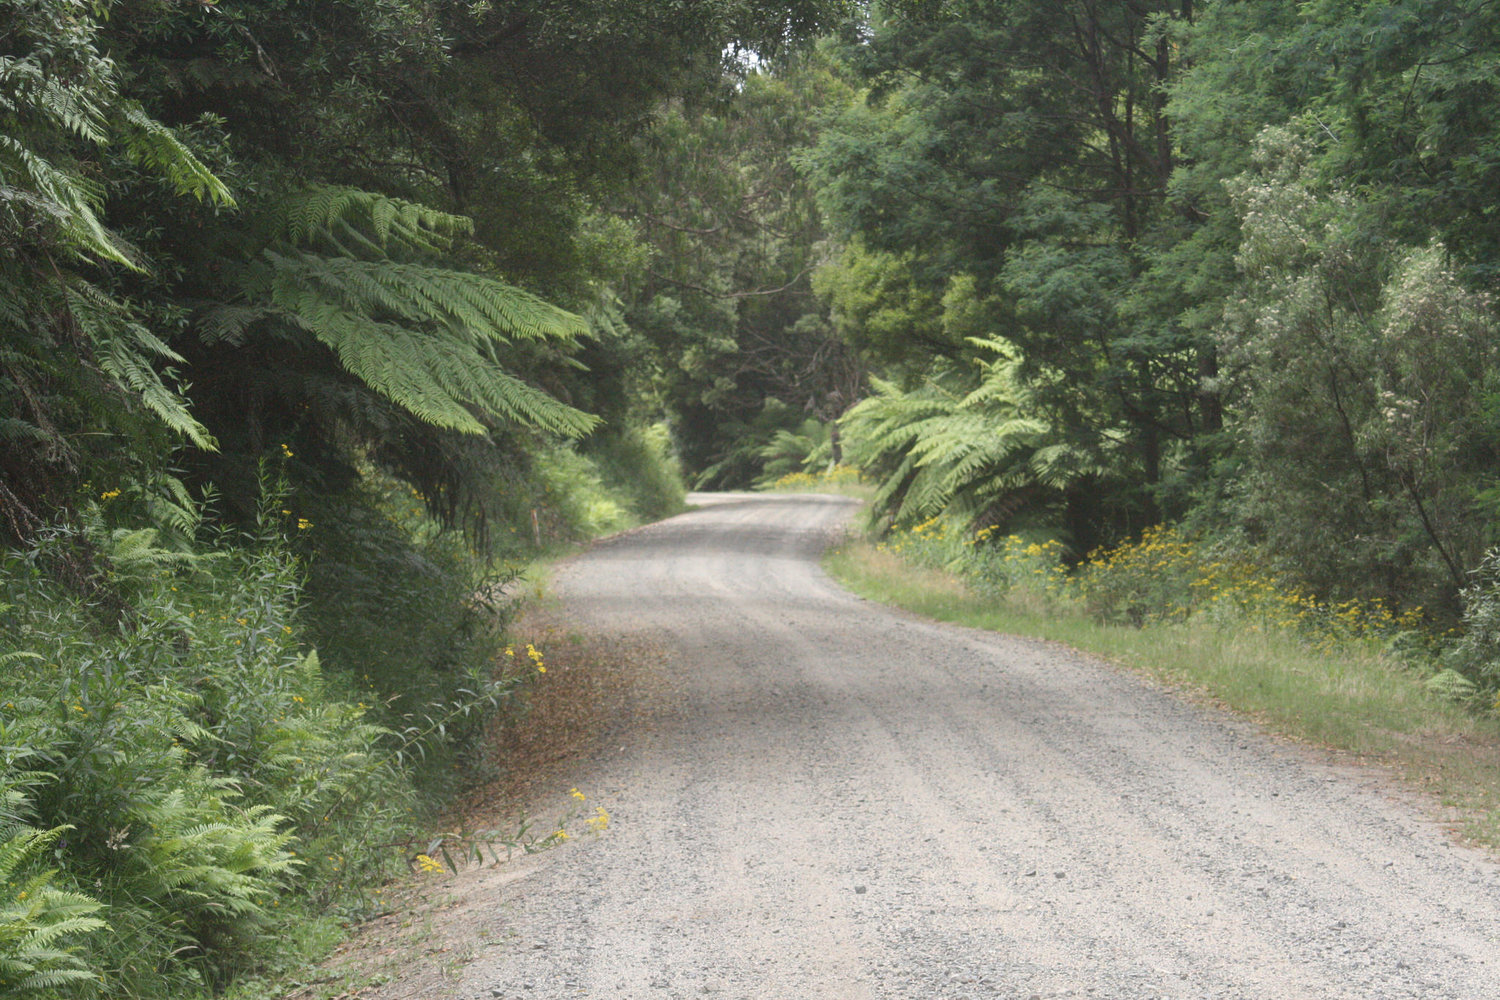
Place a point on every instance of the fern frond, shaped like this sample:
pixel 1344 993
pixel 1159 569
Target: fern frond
pixel 28 87
pixel 37 921
pixel 437 379
pixel 308 216
pixel 469 304
pixel 68 199
pixel 123 351
pixel 417 335
pixel 155 146
pixel 227 323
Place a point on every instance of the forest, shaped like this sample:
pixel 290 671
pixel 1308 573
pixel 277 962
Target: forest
pixel 320 319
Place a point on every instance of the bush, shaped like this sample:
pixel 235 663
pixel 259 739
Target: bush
pixel 408 619
pixel 167 722
pixel 1476 656
pixel 637 465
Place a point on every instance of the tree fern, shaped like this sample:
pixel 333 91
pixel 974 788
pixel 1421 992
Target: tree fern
pixel 964 441
pixel 75 362
pixel 33 188
pixel 41 104
pixel 353 271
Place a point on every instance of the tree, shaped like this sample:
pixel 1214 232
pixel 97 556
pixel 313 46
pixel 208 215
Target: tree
pixel 1028 147
pixel 1363 372
pixel 741 345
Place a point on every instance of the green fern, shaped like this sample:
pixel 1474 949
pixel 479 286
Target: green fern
pixel 963 441
pixel 124 351
pixel 73 352
pixel 38 924
pixel 67 200
pixel 322 214
pixel 428 338
pixel 157 148
pixel 85 107
pixel 213 866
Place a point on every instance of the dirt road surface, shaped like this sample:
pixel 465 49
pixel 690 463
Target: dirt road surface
pixel 835 800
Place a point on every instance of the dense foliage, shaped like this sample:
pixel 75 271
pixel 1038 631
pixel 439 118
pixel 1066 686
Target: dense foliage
pixel 1241 255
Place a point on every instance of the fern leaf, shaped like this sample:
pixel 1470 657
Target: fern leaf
pixel 306 217
pixel 153 145
pixel 425 354
pixel 36 921
pixel 71 201
pixel 123 349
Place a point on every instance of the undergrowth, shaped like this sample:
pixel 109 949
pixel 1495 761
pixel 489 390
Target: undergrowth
pixel 218 744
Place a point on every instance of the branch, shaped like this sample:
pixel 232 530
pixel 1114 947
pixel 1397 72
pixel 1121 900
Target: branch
pixel 266 66
pixel 657 220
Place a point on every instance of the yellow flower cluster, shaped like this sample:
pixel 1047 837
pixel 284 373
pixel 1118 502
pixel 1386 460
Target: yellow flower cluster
pixel 1168 576
pixel 1164 576
pixel 839 475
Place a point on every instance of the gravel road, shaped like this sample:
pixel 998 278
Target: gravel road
pixel 840 801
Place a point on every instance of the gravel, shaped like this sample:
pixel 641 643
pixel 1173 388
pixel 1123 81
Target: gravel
pixel 832 799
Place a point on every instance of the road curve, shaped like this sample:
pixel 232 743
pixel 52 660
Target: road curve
pixel 841 801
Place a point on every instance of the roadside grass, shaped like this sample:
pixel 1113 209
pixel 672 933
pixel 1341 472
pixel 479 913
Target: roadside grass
pixel 594 692
pixel 1352 699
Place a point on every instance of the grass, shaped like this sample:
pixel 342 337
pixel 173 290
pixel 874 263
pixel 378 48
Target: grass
pixel 1351 699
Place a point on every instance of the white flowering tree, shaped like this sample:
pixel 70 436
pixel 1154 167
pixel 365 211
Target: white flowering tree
pixel 1365 371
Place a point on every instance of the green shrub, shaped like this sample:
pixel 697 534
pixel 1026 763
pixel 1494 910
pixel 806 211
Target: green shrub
pixel 409 621
pixel 636 464
pixel 1476 656
pixel 186 745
